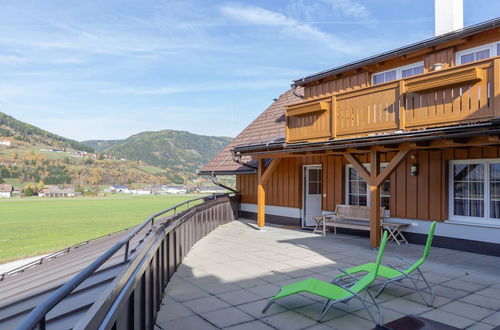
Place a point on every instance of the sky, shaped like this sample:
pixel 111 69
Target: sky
pixel 112 68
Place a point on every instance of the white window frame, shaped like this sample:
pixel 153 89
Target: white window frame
pixel 399 71
pixel 346 192
pixel 492 47
pixel 486 220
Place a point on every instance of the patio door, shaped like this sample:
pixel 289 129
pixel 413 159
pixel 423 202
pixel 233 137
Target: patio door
pixel 312 194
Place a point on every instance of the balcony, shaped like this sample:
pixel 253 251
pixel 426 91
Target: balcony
pixel 225 280
pixel 460 95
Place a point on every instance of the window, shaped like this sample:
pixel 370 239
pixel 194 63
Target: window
pixel 398 73
pixel 357 189
pixel 478 53
pixel 475 191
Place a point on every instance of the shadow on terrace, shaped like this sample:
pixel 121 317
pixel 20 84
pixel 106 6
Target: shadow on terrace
pixel 227 277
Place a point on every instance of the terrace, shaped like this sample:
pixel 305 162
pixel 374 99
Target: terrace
pixel 226 278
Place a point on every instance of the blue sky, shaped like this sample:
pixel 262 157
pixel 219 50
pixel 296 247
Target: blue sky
pixel 109 69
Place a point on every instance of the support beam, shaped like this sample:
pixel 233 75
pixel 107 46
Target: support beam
pixel 261 196
pixel 391 167
pixel 360 168
pixel 263 175
pixel 375 229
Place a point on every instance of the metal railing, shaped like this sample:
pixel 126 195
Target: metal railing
pixel 175 237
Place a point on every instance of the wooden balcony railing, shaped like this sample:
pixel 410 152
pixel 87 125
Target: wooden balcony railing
pixel 458 95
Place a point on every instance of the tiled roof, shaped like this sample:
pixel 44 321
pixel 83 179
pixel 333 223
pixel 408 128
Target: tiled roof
pixel 269 126
pixel 4 187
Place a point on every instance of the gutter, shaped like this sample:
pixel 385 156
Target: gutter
pixel 431 42
pixel 276 148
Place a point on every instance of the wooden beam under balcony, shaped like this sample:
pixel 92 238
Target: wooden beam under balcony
pixel 263 175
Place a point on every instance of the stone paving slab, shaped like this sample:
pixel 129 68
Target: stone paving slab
pixel 226 278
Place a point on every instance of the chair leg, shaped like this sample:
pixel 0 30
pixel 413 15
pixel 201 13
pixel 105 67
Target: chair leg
pixel 380 317
pixel 433 296
pixel 367 310
pixel 382 288
pixel 269 303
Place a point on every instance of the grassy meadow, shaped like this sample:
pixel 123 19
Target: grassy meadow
pixel 36 225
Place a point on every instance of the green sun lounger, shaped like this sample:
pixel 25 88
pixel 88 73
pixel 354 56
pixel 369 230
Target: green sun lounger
pixel 335 293
pixel 392 274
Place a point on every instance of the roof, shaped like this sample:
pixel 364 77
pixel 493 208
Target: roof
pixel 491 127
pixel 5 187
pixel 119 186
pixel 462 33
pixel 269 126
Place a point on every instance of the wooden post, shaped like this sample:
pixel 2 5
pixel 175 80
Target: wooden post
pixel 261 196
pixel 496 87
pixel 374 200
pixel 334 117
pixel 263 175
pixel 402 106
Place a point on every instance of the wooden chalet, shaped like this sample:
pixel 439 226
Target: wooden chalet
pixel 415 130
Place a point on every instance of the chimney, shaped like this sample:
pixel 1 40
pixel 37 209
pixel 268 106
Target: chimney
pixel 449 16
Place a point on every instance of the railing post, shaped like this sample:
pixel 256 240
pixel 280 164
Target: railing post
pixel 334 117
pixel 402 107
pixel 496 86
pixel 126 251
pixel 42 324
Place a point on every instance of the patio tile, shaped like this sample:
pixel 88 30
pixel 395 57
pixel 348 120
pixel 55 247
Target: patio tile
pixel 289 320
pixel 295 301
pixel 405 306
pixel 481 326
pixel 463 285
pixel 255 309
pixel 227 317
pixel 479 300
pixel 490 292
pixel 493 319
pixel 313 312
pixel 467 310
pixel 219 288
pixel 265 291
pixel 206 304
pixel 251 283
pixel 184 291
pixel 252 325
pixel 388 315
pixel 448 318
pixel 351 322
pixel 172 312
pixel 188 323
pixel 239 297
pixel 448 292
pixel 438 300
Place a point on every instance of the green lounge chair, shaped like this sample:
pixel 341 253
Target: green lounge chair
pixel 392 274
pixel 335 293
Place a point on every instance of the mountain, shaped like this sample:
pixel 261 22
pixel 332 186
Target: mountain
pixel 21 131
pixel 100 145
pixel 177 150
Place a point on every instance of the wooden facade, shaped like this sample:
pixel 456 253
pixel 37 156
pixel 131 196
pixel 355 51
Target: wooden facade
pixel 344 107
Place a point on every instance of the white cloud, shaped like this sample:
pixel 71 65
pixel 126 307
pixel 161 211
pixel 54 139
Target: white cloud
pixel 260 16
pixel 348 7
pixel 214 86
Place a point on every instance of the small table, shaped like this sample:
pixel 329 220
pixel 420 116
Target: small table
pixel 318 229
pixel 395 230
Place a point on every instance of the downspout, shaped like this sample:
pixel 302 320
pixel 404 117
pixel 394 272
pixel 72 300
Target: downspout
pixel 214 181
pixel 237 159
pixel 294 91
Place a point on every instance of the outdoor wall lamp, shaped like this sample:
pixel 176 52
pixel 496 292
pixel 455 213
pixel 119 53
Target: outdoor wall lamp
pixel 414 165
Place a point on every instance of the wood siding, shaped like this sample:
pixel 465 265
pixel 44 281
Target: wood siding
pixel 423 197
pixel 445 57
pixel 340 85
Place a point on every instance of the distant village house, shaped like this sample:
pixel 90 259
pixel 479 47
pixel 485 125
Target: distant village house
pixel 55 191
pixel 120 188
pixel 6 190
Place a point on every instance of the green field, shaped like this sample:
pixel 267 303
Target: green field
pixel 34 226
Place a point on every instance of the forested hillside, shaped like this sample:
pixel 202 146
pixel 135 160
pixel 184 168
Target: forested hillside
pixel 18 130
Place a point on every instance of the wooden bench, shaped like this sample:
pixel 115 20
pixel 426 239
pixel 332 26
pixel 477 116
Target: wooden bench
pixel 358 217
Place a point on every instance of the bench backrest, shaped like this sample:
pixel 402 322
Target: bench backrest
pixel 356 212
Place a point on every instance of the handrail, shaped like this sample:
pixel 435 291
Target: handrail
pixel 55 254
pixel 38 315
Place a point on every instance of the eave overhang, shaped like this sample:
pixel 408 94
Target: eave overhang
pixel 452 132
